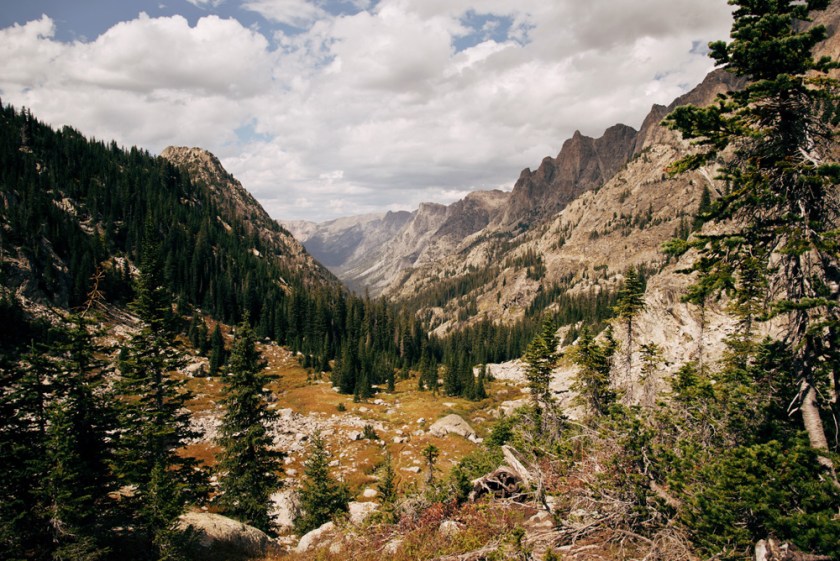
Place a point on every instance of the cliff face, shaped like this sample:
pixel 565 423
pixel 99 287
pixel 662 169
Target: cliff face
pixel 583 163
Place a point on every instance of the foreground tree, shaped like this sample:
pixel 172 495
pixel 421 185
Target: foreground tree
pixel 321 496
pixel 778 217
pixel 153 420
pixel 248 463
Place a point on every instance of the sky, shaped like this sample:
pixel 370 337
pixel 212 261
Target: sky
pixel 329 108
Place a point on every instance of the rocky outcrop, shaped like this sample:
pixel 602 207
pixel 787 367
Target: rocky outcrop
pixel 583 164
pixel 218 538
pixel 317 537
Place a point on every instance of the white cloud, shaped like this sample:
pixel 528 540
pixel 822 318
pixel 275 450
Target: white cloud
pixel 206 3
pixel 370 111
pixel 297 13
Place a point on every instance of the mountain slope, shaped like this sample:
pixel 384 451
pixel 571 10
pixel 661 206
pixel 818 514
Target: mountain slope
pixel 70 207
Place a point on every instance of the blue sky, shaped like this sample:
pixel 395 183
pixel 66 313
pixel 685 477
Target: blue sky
pixel 331 108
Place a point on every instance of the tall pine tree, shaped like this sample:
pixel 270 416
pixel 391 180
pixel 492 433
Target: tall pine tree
pixel 778 217
pixel 248 464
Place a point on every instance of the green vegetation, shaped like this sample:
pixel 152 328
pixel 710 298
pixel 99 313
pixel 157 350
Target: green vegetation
pixel 321 497
pixel 251 467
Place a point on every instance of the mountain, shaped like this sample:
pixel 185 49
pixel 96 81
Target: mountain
pixel 368 252
pixel 72 209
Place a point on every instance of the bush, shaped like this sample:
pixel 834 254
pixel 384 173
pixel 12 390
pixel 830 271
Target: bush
pixel 756 491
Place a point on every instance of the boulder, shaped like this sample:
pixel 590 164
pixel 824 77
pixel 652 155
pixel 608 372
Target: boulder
pixel 359 512
pixel 452 424
pixel 219 538
pixel 316 538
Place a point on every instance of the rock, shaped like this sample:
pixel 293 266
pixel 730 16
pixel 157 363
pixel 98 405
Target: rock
pixel 392 546
pixel 359 512
pixel 219 538
pixel 412 469
pixel 452 424
pixel 370 493
pixel 378 402
pixel 283 508
pixel 355 435
pixel 450 528
pixel 771 550
pixel 196 370
pixel 334 463
pixel 420 432
pixel 400 439
pixel 508 407
pixel 316 537
pixel 421 421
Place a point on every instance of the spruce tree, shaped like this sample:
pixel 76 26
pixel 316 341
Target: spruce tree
pixel 153 421
pixel 630 301
pixel 217 351
pixel 594 360
pixel 321 497
pixel 248 464
pixel 540 359
pixel 778 216
pixel 80 418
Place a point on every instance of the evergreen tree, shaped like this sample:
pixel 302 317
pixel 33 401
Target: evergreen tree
pixel 248 464
pixel 387 487
pixel 593 382
pixel 430 454
pixel 321 497
pixel 153 420
pixel 480 390
pixel 541 358
pixel 779 213
pixel 25 529
pixel 77 451
pixel 631 301
pixel 217 351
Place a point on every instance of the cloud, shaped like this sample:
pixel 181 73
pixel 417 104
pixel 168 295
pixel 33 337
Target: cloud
pixel 297 13
pixel 368 106
pixel 206 3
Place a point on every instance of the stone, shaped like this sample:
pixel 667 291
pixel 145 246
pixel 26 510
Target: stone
pixel 219 538
pixel 392 546
pixel 317 537
pixel 450 528
pixel 359 512
pixel 283 508
pixel 452 424
pixel 369 493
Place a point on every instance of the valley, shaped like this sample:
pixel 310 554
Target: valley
pixel 630 354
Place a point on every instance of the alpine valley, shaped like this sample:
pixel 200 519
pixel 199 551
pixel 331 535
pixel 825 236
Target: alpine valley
pixel 631 354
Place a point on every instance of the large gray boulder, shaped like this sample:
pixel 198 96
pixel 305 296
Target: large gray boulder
pixel 452 424
pixel 316 538
pixel 219 538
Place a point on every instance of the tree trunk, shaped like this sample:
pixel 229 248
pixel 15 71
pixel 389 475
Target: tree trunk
pixel 814 426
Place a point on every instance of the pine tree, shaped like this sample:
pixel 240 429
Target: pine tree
pixel 631 301
pixel 25 529
pixel 77 450
pixel 217 351
pixel 387 487
pixel 540 358
pixel 248 464
pixel 321 497
pixel 153 420
pixel 593 382
pixel 779 213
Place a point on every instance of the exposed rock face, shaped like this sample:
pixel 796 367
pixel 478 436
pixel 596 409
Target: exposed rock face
pixel 238 206
pixel 582 164
pixel 223 539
